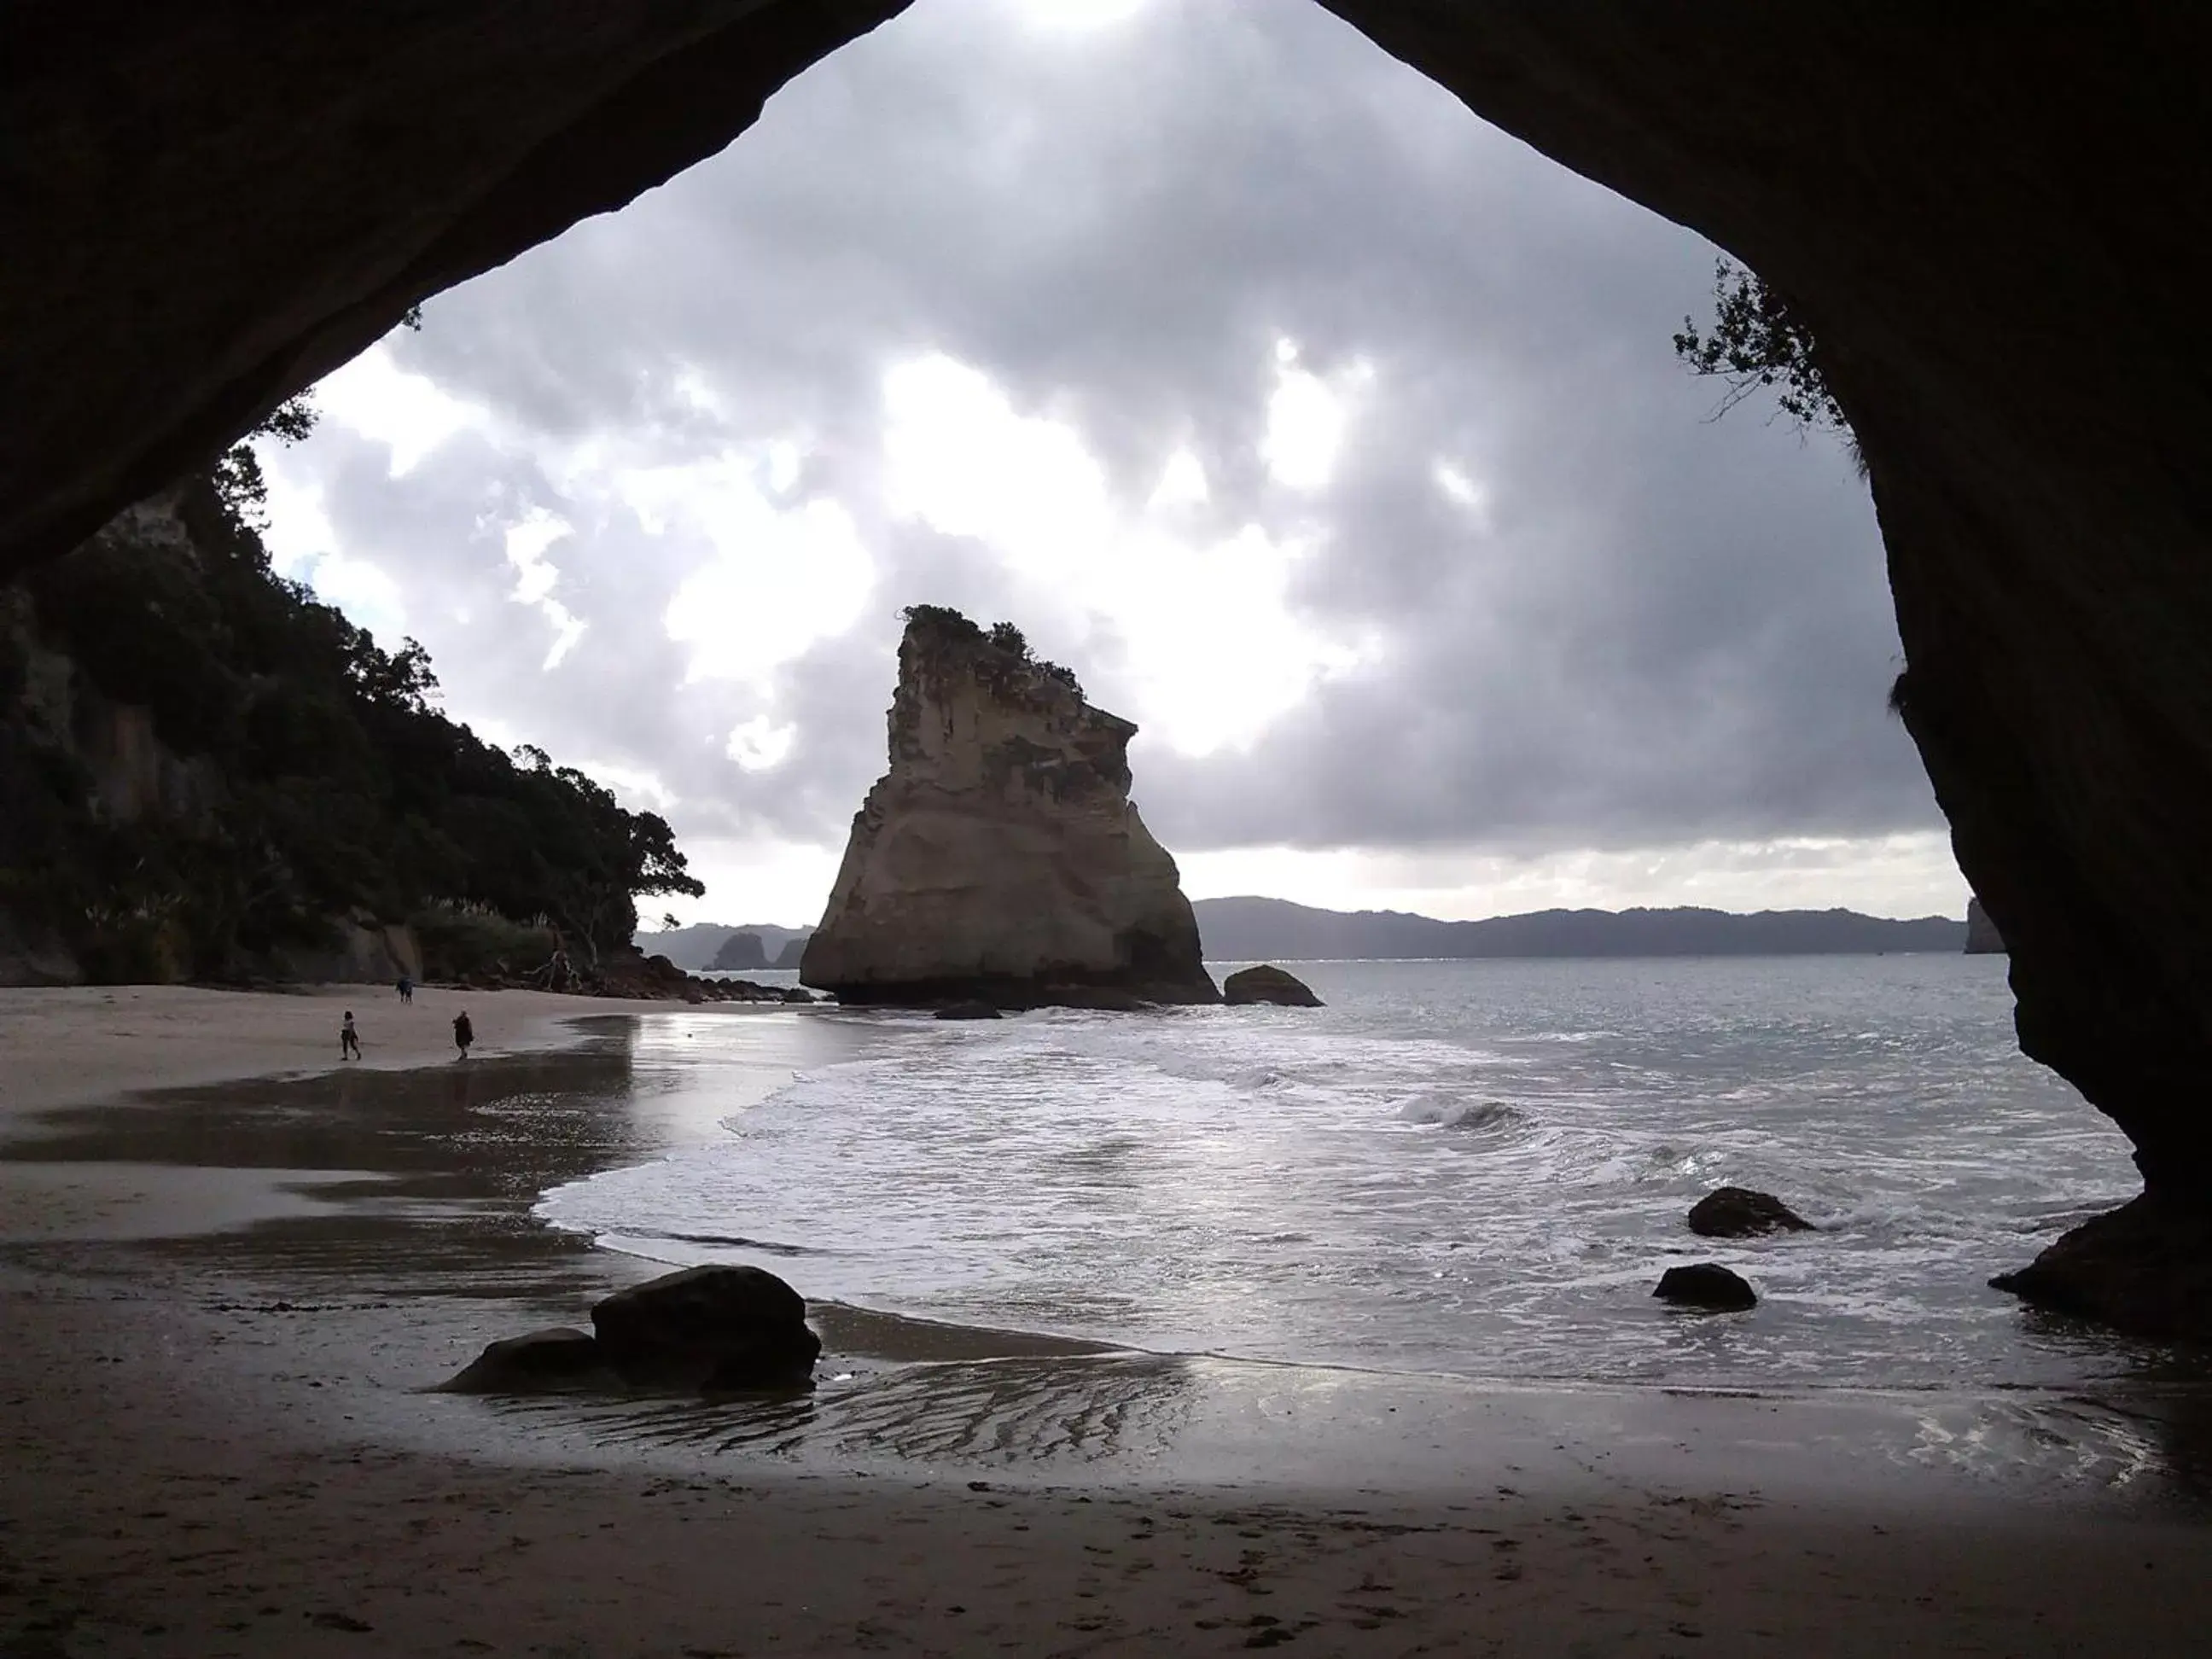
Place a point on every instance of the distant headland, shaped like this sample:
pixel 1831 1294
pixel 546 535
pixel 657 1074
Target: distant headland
pixel 1256 929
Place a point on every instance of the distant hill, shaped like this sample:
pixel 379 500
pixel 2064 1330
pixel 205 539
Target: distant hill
pixel 1257 929
pixel 738 953
pixel 695 947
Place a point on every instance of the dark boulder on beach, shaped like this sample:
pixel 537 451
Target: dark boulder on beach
pixel 1740 1213
pixel 715 1328
pixel 1705 1286
pixel 1267 983
pixel 967 1011
pixel 549 1359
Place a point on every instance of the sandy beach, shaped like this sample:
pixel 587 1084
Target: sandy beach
pixel 66 1046
pixel 223 1302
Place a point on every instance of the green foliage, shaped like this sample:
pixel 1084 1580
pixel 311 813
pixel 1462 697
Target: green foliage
pixel 467 941
pixel 1757 341
pixel 337 785
pixel 944 620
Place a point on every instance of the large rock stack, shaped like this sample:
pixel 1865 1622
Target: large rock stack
pixel 1000 859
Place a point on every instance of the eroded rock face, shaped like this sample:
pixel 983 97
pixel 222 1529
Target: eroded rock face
pixel 1000 858
pixel 1993 233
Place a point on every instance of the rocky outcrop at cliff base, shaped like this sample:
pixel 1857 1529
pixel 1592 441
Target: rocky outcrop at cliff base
pixel 1000 859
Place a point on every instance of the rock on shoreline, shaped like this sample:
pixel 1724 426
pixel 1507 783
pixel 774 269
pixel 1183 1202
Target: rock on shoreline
pixel 1269 983
pixel 711 1329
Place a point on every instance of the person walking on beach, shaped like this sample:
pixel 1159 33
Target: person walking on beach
pixel 464 1033
pixel 349 1039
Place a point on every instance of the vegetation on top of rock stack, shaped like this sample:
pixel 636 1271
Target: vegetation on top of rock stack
pixel 1003 637
pixel 323 781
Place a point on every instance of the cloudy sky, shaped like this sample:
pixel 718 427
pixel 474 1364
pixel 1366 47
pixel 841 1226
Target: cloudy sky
pixel 1327 432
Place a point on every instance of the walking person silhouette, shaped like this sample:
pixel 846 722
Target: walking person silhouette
pixel 349 1039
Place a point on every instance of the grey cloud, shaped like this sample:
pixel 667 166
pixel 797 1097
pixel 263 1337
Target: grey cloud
pixel 1659 629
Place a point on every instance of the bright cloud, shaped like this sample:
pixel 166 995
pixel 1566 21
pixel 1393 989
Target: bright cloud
pixel 961 459
pixel 760 744
pixel 1306 422
pixel 778 580
pixel 410 414
pixel 1213 651
pixel 534 579
pixel 1076 15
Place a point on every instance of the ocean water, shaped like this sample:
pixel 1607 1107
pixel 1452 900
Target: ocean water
pixel 1477 1169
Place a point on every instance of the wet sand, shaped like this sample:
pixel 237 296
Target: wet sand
pixel 214 1440
pixel 65 1046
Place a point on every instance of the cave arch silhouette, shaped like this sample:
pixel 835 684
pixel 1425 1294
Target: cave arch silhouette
pixel 1996 231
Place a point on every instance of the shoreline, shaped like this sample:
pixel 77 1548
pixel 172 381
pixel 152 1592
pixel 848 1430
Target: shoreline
pixel 63 1046
pixel 217 1441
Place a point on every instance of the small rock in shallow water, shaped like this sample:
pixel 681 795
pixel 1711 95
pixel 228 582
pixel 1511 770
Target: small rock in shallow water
pixel 1740 1213
pixel 1110 998
pixel 1707 1286
pixel 967 1011
pixel 555 1359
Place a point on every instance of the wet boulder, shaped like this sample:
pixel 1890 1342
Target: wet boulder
pixel 715 1328
pixel 1270 984
pixel 1705 1286
pixel 969 1010
pixel 542 1361
pixel 1106 999
pixel 1740 1213
pixel 2145 1269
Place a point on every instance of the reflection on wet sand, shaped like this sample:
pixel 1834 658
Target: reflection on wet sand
pixel 1064 1412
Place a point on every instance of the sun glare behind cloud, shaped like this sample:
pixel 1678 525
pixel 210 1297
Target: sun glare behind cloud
pixel 408 413
pixel 779 580
pixel 1211 649
pixel 1306 421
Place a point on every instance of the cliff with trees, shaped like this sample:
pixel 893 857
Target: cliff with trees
pixel 211 775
